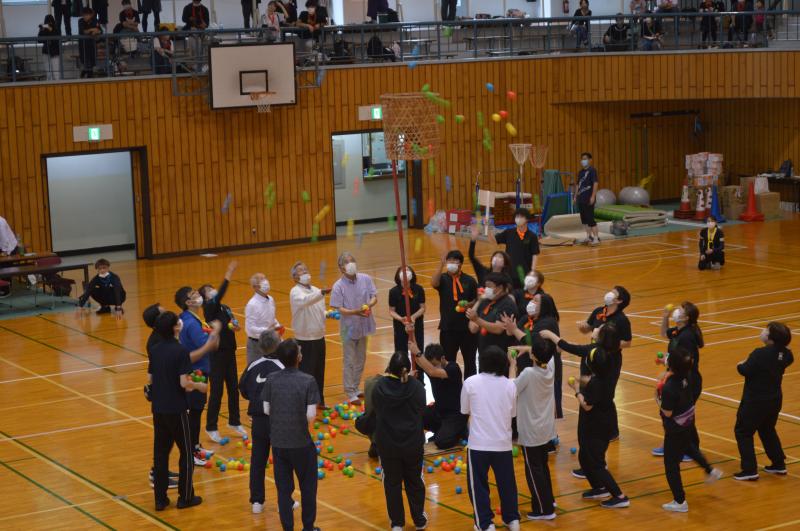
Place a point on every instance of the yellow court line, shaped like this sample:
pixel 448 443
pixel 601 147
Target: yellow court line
pixel 778 526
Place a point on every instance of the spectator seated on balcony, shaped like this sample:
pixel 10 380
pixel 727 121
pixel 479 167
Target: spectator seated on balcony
pixel 617 37
pixel 581 27
pixel 651 35
pixel 312 20
pixel 128 23
pixel 290 10
pixel 163 52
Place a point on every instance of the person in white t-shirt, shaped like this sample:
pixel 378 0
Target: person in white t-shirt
pixel 536 424
pixel 490 399
pixel 308 321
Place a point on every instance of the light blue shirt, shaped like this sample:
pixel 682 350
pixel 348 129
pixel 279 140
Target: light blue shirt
pixel 352 294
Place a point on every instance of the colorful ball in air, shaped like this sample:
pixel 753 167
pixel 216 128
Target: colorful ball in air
pixel 669 307
pixel 503 114
pixel 573 450
pixel 512 131
pixel 511 95
pixel 496 117
pixel 459 490
pixel 489 87
pixel 459 118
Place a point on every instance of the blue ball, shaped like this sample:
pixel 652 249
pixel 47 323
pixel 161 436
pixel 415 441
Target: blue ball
pixel 319 450
pixel 489 87
pixel 573 450
pixel 320 463
pixel 348 462
pixel 320 436
pixel 378 470
pixel 326 420
pixel 452 457
pixel 459 490
pixel 457 470
pixel 320 474
pixel 430 469
pixel 222 467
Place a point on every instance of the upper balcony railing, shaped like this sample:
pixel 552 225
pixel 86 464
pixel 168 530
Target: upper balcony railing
pixel 124 55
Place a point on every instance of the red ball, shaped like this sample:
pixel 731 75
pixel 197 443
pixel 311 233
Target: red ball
pixel 503 114
pixel 341 465
pixel 270 459
pixel 511 95
pixel 498 511
pixel 208 464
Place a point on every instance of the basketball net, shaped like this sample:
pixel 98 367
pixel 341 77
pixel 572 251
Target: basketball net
pixel 538 159
pixel 520 152
pixel 262 101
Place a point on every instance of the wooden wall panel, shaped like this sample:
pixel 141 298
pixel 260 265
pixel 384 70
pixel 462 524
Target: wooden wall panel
pixel 196 157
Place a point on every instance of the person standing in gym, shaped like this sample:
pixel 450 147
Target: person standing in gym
pixel 585 197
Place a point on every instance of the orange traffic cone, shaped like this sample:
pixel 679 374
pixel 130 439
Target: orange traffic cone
pixel 751 214
pixel 700 208
pixel 685 211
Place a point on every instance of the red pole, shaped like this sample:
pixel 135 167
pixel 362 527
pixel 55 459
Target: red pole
pixel 399 219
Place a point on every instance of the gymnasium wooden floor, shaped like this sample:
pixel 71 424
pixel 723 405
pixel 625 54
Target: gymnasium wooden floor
pixel 76 431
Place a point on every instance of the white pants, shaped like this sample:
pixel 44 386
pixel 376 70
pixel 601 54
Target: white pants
pixel 355 355
pixel 53 65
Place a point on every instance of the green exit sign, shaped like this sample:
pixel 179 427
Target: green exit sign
pixel 93 133
pixel 377 113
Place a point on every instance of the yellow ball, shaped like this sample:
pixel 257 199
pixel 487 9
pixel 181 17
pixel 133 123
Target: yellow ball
pixel 327 435
pixel 670 307
pixel 238 444
pixel 511 129
pixel 247 466
pixel 496 117
pixel 571 380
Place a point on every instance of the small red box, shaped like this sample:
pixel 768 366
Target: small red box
pixel 457 219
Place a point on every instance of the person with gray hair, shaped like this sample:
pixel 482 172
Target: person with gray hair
pixel 308 322
pixel 259 315
pixel 354 295
pixel 250 387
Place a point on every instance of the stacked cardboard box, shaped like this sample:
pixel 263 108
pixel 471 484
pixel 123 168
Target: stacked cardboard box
pixel 769 204
pixel 703 168
pixel 733 201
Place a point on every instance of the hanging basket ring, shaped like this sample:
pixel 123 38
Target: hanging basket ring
pixel 410 130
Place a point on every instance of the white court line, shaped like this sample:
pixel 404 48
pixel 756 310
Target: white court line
pixel 651 379
pixel 75 428
pixel 783 317
pixel 76 371
pixel 748 296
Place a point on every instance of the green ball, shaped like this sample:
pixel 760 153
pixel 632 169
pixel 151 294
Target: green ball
pixel 515 451
pixel 426 87
pixel 439 118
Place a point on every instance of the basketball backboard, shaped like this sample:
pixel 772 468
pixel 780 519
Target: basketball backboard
pixel 240 69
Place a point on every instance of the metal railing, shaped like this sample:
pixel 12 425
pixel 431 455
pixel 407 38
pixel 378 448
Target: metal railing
pixel 133 54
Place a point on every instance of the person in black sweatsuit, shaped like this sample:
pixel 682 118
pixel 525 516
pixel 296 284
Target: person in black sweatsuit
pixel 712 247
pixel 223 360
pixel 762 399
pixel 443 417
pixel 250 386
pixel 399 401
pixel 105 288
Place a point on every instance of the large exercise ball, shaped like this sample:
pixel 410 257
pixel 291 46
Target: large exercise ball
pixel 605 197
pixel 634 195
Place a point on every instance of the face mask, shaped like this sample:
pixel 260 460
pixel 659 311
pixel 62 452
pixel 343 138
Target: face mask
pixel 531 308
pixel 104 275
pixel 180 325
pixel 488 293
pixel 530 283
pixel 452 268
pixel 264 286
pixel 408 276
pixel 351 269
pixel 712 224
pixel 677 315
pixel 520 221
pixel 764 336
pixel 305 279
pixel 609 298
pixel 311 10
pixel 497 262
pixel 585 163
pixel 212 294
pixel 196 301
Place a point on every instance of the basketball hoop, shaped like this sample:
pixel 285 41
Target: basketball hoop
pixel 262 101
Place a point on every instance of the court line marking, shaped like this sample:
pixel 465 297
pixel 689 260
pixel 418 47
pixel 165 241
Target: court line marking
pixel 65 430
pixel 69 504
pixel 76 371
pixel 779 526
pixel 135 509
pixel 69 399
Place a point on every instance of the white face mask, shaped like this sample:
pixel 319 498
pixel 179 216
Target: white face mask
pixel 351 268
pixel 585 163
pixel 609 298
pixel 764 336
pixel 677 315
pixel 531 308
pixel 530 283
pixel 712 224
pixel 520 221
pixel 264 286
pixel 104 275
pixel 180 325
pixel 408 276
pixel 212 293
pixel 196 301
pixel 305 279
pixel 488 293
pixel 497 262
pixel 452 268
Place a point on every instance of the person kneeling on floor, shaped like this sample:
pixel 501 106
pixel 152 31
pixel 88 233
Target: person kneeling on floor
pixel 106 288
pixel 712 246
